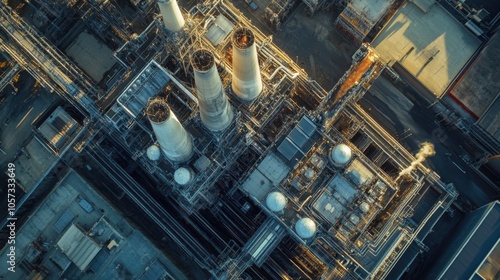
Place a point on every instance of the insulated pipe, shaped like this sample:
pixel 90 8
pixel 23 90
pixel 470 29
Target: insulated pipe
pixel 172 16
pixel 246 79
pixel 215 111
pixel 175 142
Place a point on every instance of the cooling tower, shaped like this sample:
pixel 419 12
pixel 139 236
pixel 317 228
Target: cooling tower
pixel 215 111
pixel 172 16
pixel 247 83
pixel 174 140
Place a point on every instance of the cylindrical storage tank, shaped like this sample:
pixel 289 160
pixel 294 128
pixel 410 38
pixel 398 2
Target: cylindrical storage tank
pixel 276 201
pixel 215 111
pixel 340 155
pixel 172 16
pixel 305 228
pixel 174 140
pixel 153 152
pixel 183 176
pixel 246 80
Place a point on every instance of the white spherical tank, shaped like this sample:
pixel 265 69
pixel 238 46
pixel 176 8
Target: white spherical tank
pixel 340 155
pixel 183 176
pixel 276 201
pixel 365 207
pixel 153 152
pixel 305 228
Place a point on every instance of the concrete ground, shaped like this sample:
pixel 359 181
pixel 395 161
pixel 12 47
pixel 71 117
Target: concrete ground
pixel 413 121
pixel 312 42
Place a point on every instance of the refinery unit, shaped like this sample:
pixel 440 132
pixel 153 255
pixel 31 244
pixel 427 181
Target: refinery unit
pixel 261 172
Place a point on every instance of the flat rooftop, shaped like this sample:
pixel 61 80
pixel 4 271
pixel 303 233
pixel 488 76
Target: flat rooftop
pixel 93 56
pixel 73 208
pixel 372 9
pixel 30 170
pixel 432 46
pixel 145 85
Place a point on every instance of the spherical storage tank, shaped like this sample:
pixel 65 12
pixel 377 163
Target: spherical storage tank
pixel 183 176
pixel 153 152
pixel 365 207
pixel 276 201
pixel 305 228
pixel 341 155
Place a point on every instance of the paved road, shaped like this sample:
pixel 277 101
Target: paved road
pixel 413 122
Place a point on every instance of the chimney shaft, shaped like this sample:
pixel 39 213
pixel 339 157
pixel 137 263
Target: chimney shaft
pixel 215 111
pixel 172 16
pixel 174 140
pixel 246 81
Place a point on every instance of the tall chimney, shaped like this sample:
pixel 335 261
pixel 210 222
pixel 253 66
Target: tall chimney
pixel 172 16
pixel 215 111
pixel 247 83
pixel 174 140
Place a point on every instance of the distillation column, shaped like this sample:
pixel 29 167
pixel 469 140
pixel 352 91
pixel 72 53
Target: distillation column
pixel 172 16
pixel 215 111
pixel 247 83
pixel 175 142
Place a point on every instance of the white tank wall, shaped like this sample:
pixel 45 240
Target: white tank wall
pixel 174 140
pixel 215 111
pixel 246 80
pixel 172 16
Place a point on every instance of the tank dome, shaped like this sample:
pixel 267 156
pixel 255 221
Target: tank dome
pixel 341 154
pixel 276 201
pixel 354 219
pixel 365 207
pixel 153 152
pixel 183 176
pixel 305 228
pixel 309 173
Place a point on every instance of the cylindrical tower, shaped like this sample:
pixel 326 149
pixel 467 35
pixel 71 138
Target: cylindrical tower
pixel 172 16
pixel 247 83
pixel 174 140
pixel 215 111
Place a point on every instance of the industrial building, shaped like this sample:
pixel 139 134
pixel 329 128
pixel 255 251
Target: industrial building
pixel 427 42
pixel 477 90
pixel 360 16
pixel 76 234
pixel 474 250
pixel 255 172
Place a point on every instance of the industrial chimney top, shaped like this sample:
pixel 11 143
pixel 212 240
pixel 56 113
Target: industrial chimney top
pixel 202 60
pixel 157 110
pixel 243 38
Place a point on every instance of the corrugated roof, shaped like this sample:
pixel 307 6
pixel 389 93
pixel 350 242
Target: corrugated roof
pixel 296 140
pixel 78 247
pixel 481 239
pixel 218 31
pixel 144 86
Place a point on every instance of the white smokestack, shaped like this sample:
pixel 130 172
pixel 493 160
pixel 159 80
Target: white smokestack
pixel 172 16
pixel 174 140
pixel 426 150
pixel 215 111
pixel 247 83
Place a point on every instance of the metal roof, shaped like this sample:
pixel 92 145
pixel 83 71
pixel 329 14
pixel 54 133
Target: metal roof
pixel 144 86
pixel 63 221
pixel 480 241
pixel 78 247
pixel 155 271
pixel 218 31
pixel 296 140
